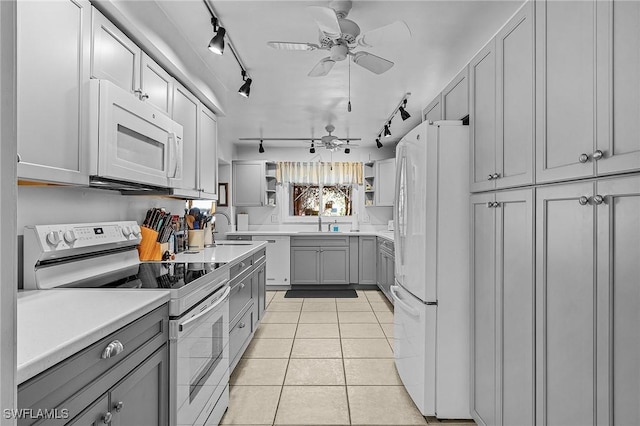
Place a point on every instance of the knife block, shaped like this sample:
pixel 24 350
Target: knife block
pixel 150 248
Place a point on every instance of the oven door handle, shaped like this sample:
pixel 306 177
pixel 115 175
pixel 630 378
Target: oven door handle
pixel 192 320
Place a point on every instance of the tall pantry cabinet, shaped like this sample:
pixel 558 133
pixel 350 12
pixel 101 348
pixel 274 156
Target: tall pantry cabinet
pixel 555 264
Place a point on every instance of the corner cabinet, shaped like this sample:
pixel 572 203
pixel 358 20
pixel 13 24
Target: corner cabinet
pixel 208 154
pixel 254 183
pixel 502 301
pixel 385 266
pixel 53 90
pixel 320 260
pixel 130 389
pixel 379 180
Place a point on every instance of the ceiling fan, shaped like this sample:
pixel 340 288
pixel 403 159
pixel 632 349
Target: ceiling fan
pixel 340 36
pixel 330 142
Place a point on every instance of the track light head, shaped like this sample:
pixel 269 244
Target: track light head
pixel 261 148
pixel 378 143
pixel 216 45
pixel 246 86
pixel 387 132
pixel 403 112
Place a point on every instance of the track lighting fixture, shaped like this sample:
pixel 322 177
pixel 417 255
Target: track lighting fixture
pixel 313 149
pixel 216 45
pixel 387 132
pixel 403 112
pixel 261 149
pixel 246 86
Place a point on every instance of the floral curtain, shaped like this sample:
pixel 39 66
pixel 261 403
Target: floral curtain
pixel 315 173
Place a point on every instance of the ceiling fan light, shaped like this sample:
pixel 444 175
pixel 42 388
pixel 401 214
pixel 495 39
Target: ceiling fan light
pixel 313 148
pixel 261 148
pixel 387 132
pixel 245 88
pixel 378 143
pixel 347 150
pixel 216 45
pixel 404 114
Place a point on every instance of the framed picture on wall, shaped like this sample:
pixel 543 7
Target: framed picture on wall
pixel 223 194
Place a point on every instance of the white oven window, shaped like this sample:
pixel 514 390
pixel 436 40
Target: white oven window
pixel 137 148
pixel 205 354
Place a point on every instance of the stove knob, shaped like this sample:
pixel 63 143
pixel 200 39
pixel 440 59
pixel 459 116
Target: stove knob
pixel 53 238
pixel 136 230
pixel 70 236
pixel 126 231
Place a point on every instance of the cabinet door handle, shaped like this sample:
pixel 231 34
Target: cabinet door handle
pixel 598 199
pixel 19 158
pixel 242 264
pixel 490 204
pixel 583 200
pixel 113 349
pixel 107 417
pixel 496 175
pixel 583 158
pixel 241 285
pixel 144 97
pixel 138 93
pixel 490 177
pixel 598 155
pixel 242 325
pixel 118 406
pixel 271 241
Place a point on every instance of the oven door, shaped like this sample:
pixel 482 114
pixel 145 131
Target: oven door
pixel 131 140
pixel 199 344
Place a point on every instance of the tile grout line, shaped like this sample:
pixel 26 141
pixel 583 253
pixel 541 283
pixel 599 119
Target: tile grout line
pixel 344 369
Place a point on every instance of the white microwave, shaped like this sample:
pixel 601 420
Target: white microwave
pixel 130 140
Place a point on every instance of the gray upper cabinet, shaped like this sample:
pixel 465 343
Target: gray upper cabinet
pixel 248 183
pixel 208 154
pixel 433 111
pixel 114 56
pixel 515 100
pixel 53 101
pixel 455 97
pixel 618 96
pixel 156 84
pixel 482 119
pixel 566 305
pixel 385 181
pixel 566 119
pixel 186 112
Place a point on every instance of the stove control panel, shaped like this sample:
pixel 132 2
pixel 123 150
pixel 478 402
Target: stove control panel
pixel 58 238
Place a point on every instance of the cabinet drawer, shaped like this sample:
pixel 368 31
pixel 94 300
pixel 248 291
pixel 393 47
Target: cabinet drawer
pixel 239 334
pixel 240 267
pixel 320 241
pixel 240 296
pixel 80 379
pixel 260 256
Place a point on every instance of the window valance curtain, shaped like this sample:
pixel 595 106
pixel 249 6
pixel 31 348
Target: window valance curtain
pixel 315 173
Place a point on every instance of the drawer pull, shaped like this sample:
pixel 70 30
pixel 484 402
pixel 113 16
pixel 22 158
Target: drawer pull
pixel 242 265
pixel 107 417
pixel 242 325
pixel 113 349
pixel 583 200
pixel 118 406
pixel 271 241
pixel 242 285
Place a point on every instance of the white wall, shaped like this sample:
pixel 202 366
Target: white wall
pixel 271 218
pixel 8 245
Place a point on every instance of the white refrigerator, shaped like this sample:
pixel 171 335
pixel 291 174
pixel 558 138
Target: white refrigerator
pixel 431 291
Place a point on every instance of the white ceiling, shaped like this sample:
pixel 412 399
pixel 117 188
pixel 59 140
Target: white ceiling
pixel 284 102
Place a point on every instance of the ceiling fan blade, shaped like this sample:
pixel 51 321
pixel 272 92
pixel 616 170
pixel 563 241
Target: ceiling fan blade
pixel 322 68
pixel 395 32
pixel 288 45
pixel 373 63
pixel 326 19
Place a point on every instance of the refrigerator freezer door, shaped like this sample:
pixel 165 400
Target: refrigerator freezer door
pixel 409 212
pixel 414 347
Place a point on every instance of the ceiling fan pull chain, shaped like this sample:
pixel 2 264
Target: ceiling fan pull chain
pixel 349 104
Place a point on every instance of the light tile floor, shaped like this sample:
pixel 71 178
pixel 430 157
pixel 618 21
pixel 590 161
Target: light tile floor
pixel 322 362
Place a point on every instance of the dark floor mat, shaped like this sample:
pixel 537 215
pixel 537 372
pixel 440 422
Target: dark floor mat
pixel 296 294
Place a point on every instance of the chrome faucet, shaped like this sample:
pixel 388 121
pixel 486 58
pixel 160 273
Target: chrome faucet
pixel 319 223
pixel 213 239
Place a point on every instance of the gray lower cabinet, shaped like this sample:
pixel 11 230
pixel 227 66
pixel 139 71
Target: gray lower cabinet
pixel 367 260
pixel 127 389
pixel 386 266
pixel 320 260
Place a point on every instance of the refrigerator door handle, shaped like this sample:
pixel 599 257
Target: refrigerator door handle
pixel 400 302
pixel 400 206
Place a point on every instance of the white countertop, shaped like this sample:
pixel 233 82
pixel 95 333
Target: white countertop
pixel 384 234
pixel 55 324
pixel 225 252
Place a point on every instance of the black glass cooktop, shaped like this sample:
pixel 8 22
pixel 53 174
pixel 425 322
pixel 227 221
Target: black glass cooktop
pixel 166 275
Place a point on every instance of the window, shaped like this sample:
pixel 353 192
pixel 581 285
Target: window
pixel 335 200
